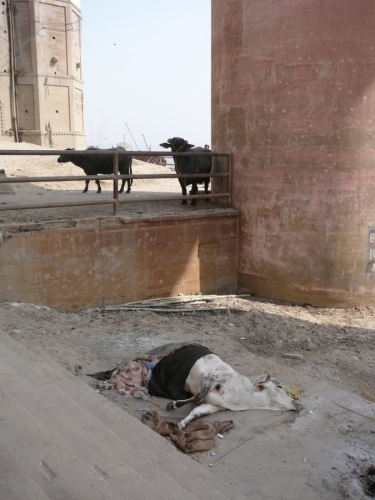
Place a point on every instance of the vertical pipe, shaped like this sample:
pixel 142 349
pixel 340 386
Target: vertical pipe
pixel 11 67
pixel 115 183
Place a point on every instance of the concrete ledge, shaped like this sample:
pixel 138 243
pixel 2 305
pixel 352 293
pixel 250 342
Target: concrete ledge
pixel 75 265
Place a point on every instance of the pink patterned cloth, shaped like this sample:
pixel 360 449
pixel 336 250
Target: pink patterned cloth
pixel 131 377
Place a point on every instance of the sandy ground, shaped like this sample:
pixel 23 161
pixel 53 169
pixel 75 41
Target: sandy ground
pixel 332 345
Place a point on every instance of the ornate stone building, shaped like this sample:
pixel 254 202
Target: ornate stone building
pixel 41 88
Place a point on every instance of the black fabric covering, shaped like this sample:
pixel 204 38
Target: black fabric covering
pixel 169 375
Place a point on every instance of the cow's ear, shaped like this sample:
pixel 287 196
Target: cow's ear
pixel 165 145
pixel 260 387
pixel 189 146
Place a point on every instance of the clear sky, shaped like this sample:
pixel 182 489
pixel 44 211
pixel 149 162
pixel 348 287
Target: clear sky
pixel 146 63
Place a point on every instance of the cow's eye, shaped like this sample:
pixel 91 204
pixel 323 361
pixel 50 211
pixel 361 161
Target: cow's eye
pixel 217 387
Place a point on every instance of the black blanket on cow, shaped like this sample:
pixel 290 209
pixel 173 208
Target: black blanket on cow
pixel 170 373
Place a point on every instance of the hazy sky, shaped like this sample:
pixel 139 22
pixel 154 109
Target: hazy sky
pixel 146 63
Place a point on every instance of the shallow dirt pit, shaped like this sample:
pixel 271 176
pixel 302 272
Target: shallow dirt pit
pixel 336 345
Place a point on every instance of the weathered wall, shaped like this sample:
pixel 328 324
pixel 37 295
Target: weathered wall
pixel 94 263
pixel 293 96
pixel 47 72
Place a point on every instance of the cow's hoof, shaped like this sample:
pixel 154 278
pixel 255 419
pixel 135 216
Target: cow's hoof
pixel 180 426
pixel 170 406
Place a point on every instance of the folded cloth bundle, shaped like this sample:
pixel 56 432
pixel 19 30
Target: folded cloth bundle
pixel 197 436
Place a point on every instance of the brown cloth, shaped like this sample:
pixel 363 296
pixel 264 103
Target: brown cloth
pixel 197 436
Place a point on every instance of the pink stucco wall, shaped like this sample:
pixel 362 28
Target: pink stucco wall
pixel 293 97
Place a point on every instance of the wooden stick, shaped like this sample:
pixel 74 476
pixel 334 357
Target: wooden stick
pixel 164 309
pixel 182 299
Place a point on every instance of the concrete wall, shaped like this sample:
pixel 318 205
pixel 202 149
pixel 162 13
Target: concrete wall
pixel 293 96
pixel 82 264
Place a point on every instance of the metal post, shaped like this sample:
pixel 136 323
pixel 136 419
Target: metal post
pixel 115 183
pixel 230 160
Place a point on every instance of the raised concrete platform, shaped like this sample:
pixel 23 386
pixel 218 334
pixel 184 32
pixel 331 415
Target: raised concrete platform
pixel 61 440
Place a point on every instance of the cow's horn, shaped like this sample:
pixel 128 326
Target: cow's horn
pixel 169 140
pixel 268 379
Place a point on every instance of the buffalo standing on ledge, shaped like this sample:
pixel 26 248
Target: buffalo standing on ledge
pixel 190 165
pixel 100 164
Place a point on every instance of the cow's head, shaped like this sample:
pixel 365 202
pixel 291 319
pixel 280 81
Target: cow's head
pixel 236 392
pixel 275 396
pixel 65 158
pixel 177 145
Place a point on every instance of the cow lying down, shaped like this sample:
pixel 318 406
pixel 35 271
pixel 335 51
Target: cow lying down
pixel 211 383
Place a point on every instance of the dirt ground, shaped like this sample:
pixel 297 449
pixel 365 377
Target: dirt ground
pixel 335 345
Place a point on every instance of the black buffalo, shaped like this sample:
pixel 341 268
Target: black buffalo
pixel 190 165
pixel 100 164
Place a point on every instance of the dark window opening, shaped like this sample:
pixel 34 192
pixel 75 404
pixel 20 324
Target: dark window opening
pixel 26 110
pixel 57 110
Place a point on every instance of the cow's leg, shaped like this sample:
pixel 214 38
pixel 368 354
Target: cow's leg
pixel 172 405
pixel 98 184
pixel 194 190
pixel 200 411
pixel 197 399
pixel 121 190
pixel 86 186
pixel 129 185
pixel 183 188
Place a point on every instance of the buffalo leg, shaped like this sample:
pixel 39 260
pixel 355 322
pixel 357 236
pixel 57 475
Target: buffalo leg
pixel 122 186
pixel 200 411
pixel 86 186
pixel 129 185
pixel 183 188
pixel 194 190
pixel 206 183
pixel 98 184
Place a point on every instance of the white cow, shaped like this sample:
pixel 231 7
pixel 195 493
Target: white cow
pixel 216 386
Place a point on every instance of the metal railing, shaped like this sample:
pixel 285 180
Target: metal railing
pixel 115 177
